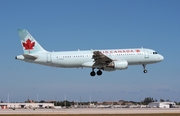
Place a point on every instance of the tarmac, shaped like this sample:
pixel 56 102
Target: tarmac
pixel 92 111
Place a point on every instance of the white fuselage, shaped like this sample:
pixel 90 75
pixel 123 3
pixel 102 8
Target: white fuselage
pixel 72 59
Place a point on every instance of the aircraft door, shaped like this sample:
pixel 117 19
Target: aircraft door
pixel 48 56
pixel 146 54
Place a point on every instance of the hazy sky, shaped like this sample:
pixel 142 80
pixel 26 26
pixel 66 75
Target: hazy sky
pixel 90 24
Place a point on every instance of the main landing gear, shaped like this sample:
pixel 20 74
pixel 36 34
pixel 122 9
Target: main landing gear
pixel 144 67
pixel 99 72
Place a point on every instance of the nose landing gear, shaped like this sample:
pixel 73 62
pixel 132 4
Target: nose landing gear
pixel 144 67
pixel 145 71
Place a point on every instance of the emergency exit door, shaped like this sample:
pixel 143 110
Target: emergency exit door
pixel 146 54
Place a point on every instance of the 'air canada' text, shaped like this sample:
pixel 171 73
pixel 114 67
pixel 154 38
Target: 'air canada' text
pixel 119 51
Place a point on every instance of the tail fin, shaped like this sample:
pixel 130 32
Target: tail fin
pixel 29 44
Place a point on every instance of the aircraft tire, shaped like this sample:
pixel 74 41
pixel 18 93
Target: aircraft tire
pixel 99 72
pixel 145 71
pixel 92 73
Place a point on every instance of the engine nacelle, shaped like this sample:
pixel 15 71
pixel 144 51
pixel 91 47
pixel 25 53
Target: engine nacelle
pixel 119 65
pixel 108 69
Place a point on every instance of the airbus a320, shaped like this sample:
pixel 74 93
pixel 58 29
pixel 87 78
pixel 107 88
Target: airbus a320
pixel 102 60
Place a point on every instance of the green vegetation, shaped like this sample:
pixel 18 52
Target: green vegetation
pixel 67 103
pixel 148 100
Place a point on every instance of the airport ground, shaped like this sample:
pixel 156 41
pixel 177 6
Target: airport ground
pixel 93 111
pixel 90 115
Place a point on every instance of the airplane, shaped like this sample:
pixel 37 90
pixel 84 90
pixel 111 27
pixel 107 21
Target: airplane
pixel 102 60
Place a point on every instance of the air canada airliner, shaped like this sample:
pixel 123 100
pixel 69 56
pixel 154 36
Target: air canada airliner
pixel 102 60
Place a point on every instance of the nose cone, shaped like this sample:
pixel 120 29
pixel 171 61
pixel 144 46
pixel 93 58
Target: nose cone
pixel 160 58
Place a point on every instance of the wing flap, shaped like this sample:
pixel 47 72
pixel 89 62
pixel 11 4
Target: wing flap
pixel 100 58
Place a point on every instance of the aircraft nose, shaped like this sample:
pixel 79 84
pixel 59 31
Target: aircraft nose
pixel 161 58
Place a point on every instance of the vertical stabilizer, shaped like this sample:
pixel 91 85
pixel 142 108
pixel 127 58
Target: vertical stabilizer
pixel 29 44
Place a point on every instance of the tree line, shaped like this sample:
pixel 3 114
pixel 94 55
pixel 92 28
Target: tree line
pixel 67 103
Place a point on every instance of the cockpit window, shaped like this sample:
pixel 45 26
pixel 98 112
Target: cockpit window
pixel 154 52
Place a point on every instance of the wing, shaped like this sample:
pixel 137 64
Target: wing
pixel 100 59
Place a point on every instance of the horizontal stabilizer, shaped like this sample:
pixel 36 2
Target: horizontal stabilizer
pixel 27 56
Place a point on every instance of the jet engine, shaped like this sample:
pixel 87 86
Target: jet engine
pixel 119 65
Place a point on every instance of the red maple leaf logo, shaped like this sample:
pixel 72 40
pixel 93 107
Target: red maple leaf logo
pixel 28 45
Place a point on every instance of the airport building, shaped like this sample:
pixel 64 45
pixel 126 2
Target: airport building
pixel 25 105
pixel 162 105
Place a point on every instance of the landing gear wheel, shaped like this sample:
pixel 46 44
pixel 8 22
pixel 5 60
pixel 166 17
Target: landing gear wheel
pixel 145 71
pixel 92 73
pixel 99 72
pixel 144 67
